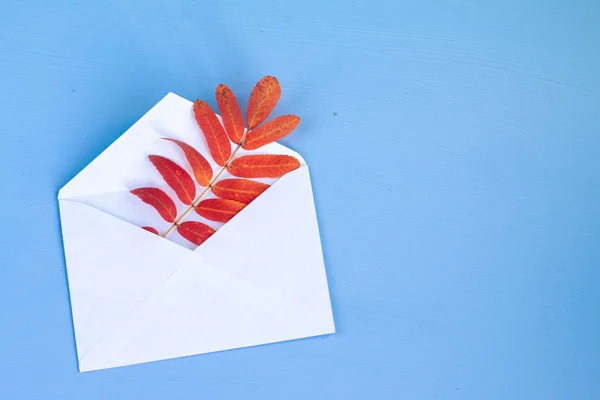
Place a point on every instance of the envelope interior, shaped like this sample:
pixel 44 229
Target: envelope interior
pixel 106 182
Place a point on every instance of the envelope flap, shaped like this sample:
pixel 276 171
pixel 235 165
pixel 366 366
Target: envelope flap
pixel 112 267
pixel 107 173
pixel 274 243
pixel 200 309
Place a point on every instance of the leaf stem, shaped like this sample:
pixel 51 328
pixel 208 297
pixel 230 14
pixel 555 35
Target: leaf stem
pixel 210 185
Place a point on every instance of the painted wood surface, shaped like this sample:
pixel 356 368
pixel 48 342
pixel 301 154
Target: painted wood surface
pixel 454 150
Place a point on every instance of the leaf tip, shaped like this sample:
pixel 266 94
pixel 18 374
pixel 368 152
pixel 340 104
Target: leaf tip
pixel 270 78
pixel 150 229
pixel 159 200
pixel 222 88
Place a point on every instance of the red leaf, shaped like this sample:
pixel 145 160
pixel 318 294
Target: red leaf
pixel 150 229
pixel 263 99
pixel 176 177
pixel 216 138
pixel 263 166
pixel 242 190
pixel 271 131
pixel 159 200
pixel 218 209
pixel 202 170
pixel 194 231
pixel 231 113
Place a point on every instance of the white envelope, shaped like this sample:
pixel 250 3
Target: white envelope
pixel 137 297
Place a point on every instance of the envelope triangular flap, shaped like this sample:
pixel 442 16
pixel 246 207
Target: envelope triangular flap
pixel 106 173
pixel 112 267
pixel 274 243
pixel 198 310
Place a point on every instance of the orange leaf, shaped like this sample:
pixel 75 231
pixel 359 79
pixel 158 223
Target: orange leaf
pixel 176 177
pixel 216 138
pixel 202 170
pixel 242 190
pixel 231 113
pixel 194 231
pixel 271 131
pixel 159 200
pixel 150 229
pixel 263 99
pixel 218 209
pixel 263 166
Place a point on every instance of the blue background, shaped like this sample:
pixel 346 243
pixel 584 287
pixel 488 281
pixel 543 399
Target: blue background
pixel 455 154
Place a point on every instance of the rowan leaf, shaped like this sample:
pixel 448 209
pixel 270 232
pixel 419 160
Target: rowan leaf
pixel 219 210
pixel 263 99
pixel 242 190
pixel 150 229
pixel 263 166
pixel 216 138
pixel 194 231
pixel 271 131
pixel 159 200
pixel 200 166
pixel 176 177
pixel 231 113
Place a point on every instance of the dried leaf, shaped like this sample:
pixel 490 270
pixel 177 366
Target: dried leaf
pixel 159 200
pixel 150 229
pixel 219 210
pixel 176 177
pixel 231 113
pixel 263 166
pixel 194 231
pixel 200 166
pixel 242 190
pixel 216 138
pixel 271 131
pixel 263 99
